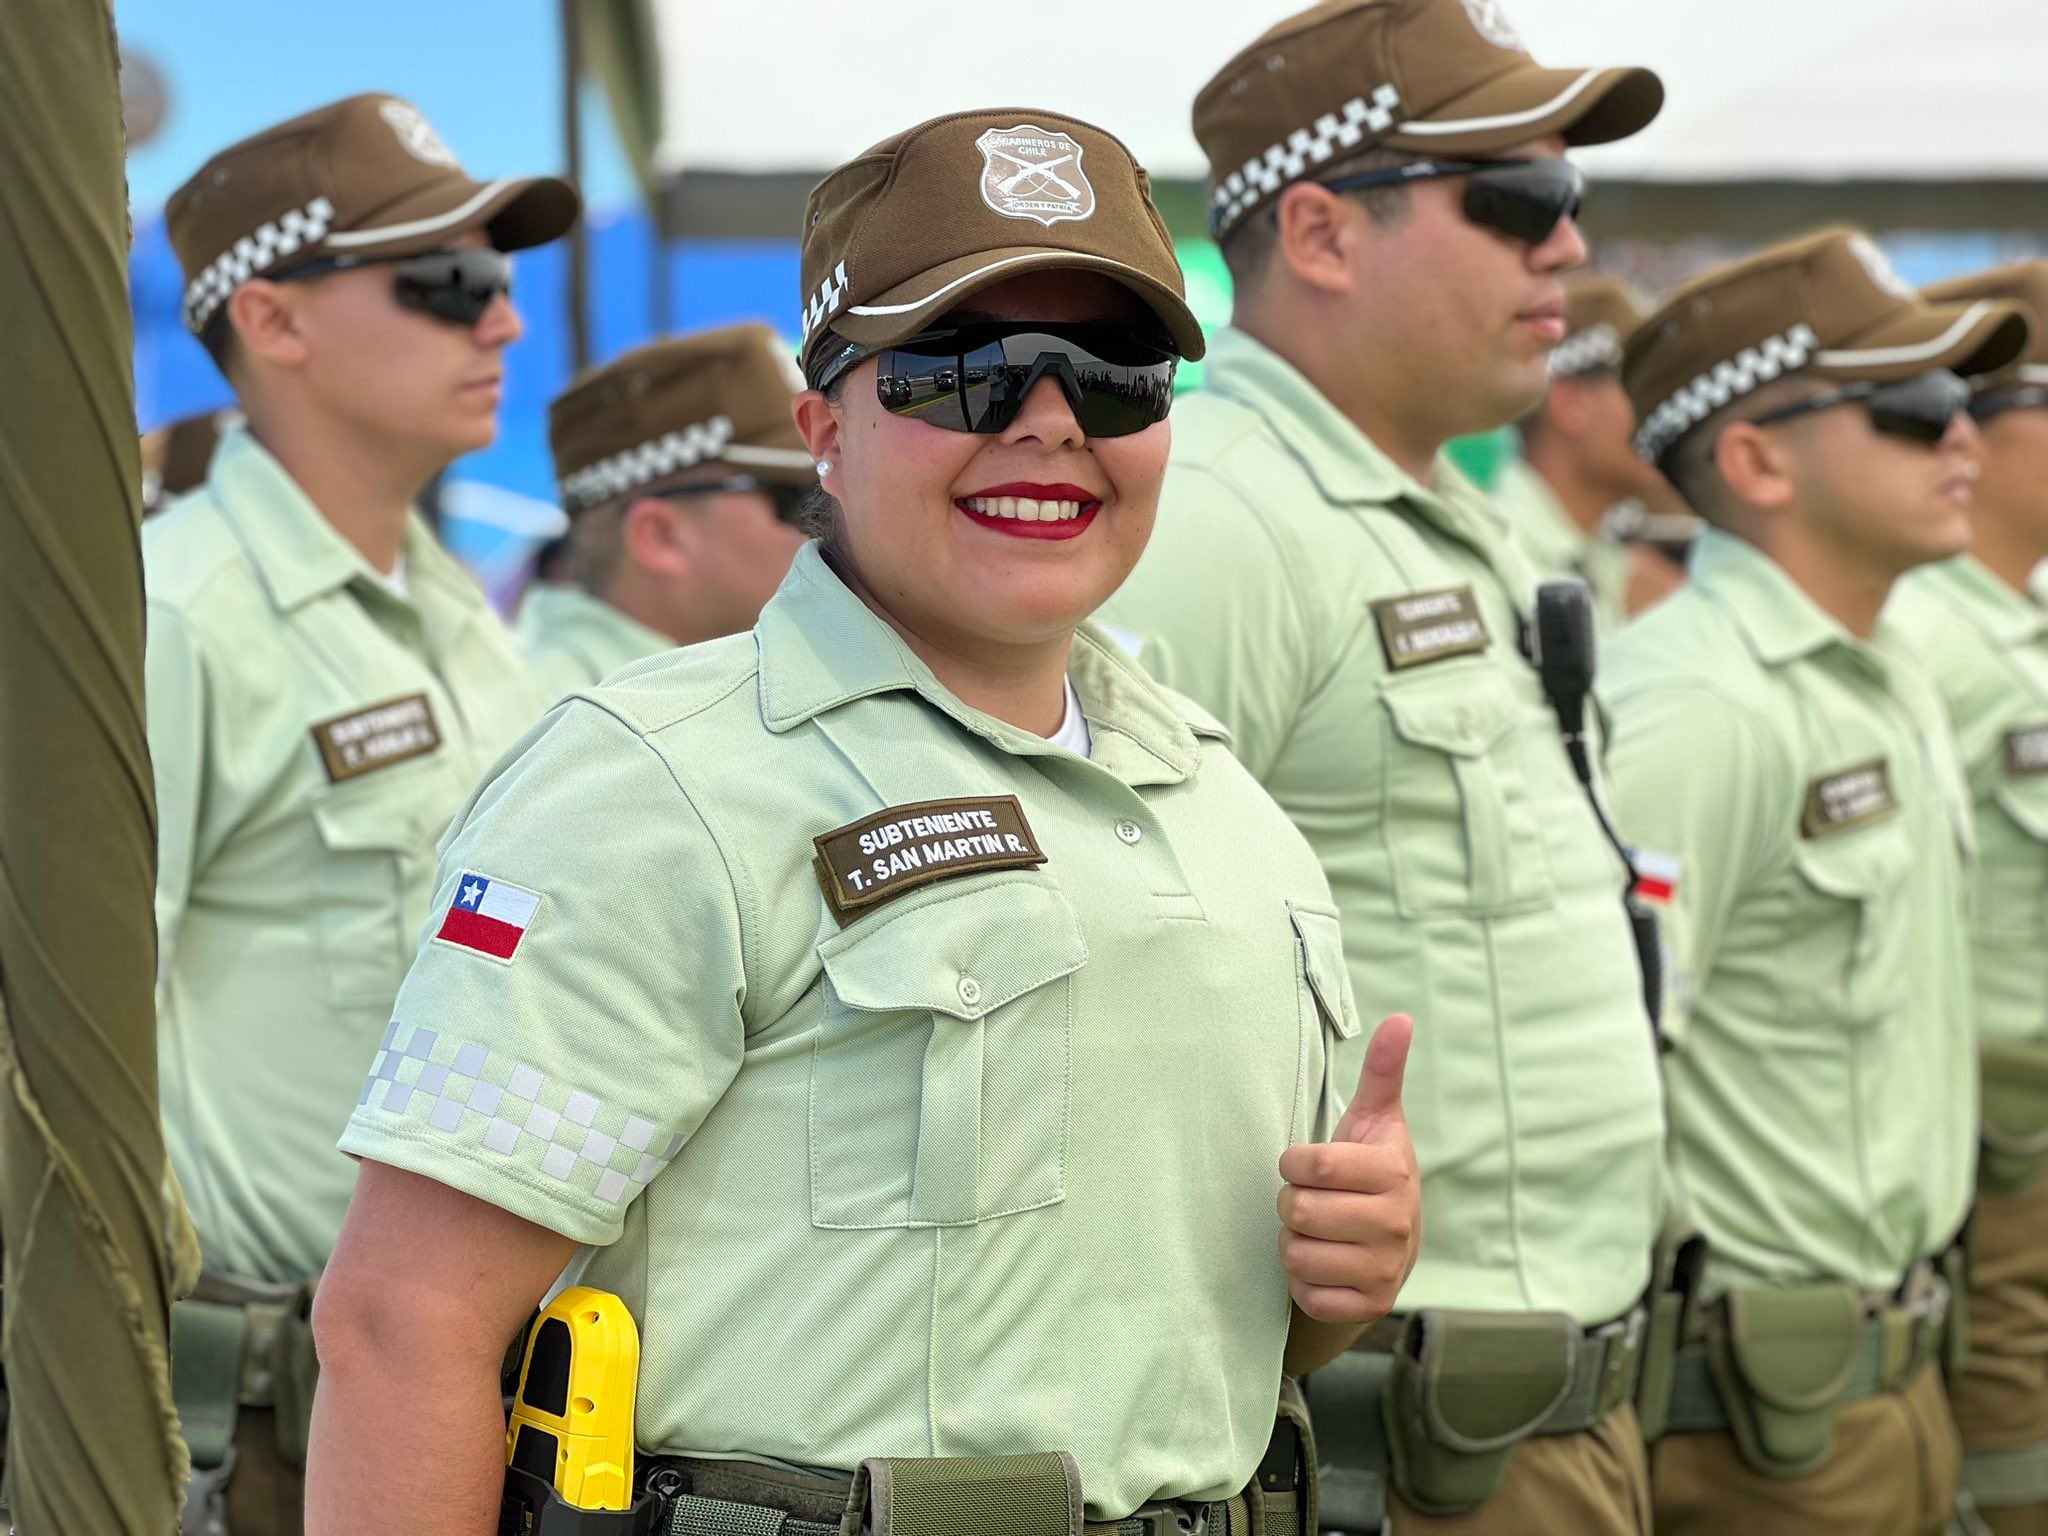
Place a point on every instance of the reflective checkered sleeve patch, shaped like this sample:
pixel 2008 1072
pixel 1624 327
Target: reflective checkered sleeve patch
pixel 485 1102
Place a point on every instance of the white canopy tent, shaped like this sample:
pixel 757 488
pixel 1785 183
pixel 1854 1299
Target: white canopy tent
pixel 1770 90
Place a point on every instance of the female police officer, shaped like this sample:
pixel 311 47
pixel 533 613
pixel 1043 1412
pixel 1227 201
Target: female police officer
pixel 913 1009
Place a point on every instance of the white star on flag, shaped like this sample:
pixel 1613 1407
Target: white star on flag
pixel 472 894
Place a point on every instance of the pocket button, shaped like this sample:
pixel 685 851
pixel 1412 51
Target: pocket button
pixel 970 991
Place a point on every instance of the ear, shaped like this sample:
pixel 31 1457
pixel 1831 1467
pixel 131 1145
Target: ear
pixel 823 428
pixel 1570 407
pixel 266 321
pixel 1317 233
pixel 659 536
pixel 1757 467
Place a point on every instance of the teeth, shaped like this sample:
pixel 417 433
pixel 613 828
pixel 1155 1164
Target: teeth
pixel 1024 509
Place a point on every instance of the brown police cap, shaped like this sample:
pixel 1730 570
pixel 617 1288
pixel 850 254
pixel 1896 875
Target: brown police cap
pixel 718 400
pixel 1600 313
pixel 366 177
pixel 1435 77
pixel 925 220
pixel 2024 283
pixel 1828 304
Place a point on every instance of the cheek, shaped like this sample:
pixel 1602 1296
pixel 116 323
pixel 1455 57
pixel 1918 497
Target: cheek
pixel 1136 465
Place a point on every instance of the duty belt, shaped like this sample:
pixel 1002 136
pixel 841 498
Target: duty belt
pixel 1898 1339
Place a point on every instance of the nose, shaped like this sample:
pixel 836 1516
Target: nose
pixel 1560 250
pixel 501 324
pixel 1046 418
pixel 1962 436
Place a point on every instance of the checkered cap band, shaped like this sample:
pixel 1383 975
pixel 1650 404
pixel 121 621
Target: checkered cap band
pixel 525 1116
pixel 1726 382
pixel 256 252
pixel 826 302
pixel 1597 346
pixel 1350 127
pixel 631 468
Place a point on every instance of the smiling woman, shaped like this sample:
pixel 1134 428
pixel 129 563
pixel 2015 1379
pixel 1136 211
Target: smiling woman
pixel 927 996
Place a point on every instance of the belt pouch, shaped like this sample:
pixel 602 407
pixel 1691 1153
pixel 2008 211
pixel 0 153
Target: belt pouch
pixel 1680 1257
pixel 1467 1388
pixel 1954 1265
pixel 2015 1114
pixel 1782 1361
pixel 1035 1495
pixel 1282 1499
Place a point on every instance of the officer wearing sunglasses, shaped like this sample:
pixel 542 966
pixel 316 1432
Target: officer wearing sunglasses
pixel 1578 462
pixel 682 473
pixel 325 684
pixel 1984 634
pixel 1786 768
pixel 914 1010
pixel 1390 193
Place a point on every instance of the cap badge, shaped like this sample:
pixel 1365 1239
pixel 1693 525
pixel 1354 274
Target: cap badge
pixel 1028 173
pixel 1879 266
pixel 1492 24
pixel 416 134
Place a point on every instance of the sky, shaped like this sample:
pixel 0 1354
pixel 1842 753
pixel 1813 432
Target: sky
pixel 484 74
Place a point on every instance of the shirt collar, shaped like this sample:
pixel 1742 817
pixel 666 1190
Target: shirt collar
pixel 572 611
pixel 297 553
pixel 2007 617
pixel 1777 618
pixel 1348 467
pixel 822 647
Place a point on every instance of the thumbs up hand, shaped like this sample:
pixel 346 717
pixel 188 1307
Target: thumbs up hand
pixel 1351 1213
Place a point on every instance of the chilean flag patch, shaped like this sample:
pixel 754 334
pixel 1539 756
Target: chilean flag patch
pixel 1657 876
pixel 488 916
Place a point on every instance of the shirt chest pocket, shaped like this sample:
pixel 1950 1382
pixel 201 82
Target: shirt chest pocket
pixel 1459 813
pixel 2012 866
pixel 376 876
pixel 941 1073
pixel 1845 949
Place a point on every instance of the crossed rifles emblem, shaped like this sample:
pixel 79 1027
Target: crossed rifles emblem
pixel 1041 174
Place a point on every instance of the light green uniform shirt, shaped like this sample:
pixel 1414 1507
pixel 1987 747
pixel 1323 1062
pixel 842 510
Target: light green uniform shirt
pixel 290 895
pixel 573 639
pixel 1477 891
pixel 1987 646
pixel 1823 1080
pixel 1556 546
pixel 989 1169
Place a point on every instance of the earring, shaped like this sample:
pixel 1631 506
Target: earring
pixel 824 466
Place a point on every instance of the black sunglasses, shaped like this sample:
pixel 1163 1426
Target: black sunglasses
pixel 1996 402
pixel 1522 199
pixel 975 378
pixel 1919 409
pixel 455 286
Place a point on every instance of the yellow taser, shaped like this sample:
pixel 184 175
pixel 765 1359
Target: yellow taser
pixel 572 1420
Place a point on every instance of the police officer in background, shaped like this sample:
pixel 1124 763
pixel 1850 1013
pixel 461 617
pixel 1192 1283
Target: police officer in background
pixel 924 1019
pixel 1392 199
pixel 325 683
pixel 1788 776
pixel 1578 462
pixel 1985 637
pixel 681 472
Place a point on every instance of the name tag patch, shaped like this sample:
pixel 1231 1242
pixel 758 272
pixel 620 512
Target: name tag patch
pixel 893 852
pixel 1854 797
pixel 1422 627
pixel 359 743
pixel 2026 750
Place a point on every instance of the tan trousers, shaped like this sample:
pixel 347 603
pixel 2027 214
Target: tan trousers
pixel 1592 1484
pixel 2001 1397
pixel 1893 1474
pixel 266 1495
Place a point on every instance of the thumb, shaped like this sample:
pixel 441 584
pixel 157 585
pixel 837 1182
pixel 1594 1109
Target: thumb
pixel 1378 1099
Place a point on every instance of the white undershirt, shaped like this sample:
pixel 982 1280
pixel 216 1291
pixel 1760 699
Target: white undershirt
pixel 1073 731
pixel 394 582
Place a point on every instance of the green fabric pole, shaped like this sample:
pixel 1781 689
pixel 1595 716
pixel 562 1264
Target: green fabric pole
pixel 619 48
pixel 96 1242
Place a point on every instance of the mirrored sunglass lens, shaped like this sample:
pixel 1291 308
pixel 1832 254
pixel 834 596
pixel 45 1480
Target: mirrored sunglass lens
pixel 978 383
pixel 456 286
pixel 1920 409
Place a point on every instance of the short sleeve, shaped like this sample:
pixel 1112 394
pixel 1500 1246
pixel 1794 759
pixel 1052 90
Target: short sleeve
pixel 1214 611
pixel 574 1010
pixel 1691 789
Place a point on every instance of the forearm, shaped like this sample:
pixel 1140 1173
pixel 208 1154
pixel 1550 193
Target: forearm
pixel 1313 1343
pixel 406 1441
